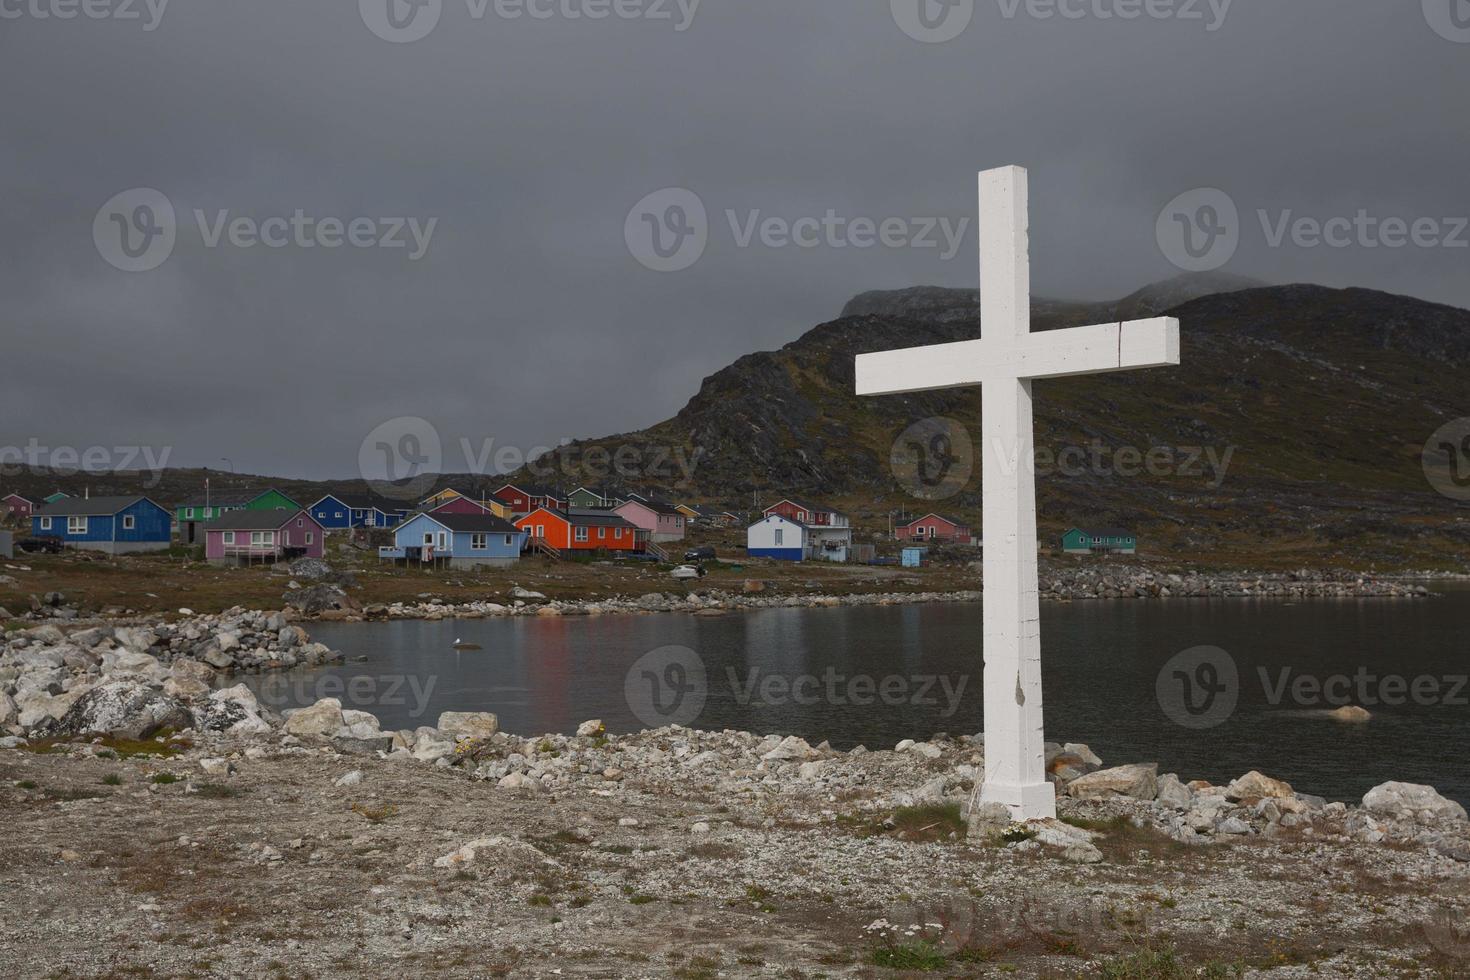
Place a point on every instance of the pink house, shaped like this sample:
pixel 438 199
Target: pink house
pixel 244 536
pixel 660 520
pixel 17 507
pixel 934 527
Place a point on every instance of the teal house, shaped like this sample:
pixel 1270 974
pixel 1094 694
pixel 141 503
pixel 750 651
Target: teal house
pixel 1106 541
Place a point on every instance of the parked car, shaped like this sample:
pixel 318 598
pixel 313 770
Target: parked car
pixel 37 546
pixel 699 554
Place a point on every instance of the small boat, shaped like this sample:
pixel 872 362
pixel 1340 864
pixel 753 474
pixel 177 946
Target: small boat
pixel 462 645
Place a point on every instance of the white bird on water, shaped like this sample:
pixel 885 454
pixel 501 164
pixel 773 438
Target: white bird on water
pixel 462 645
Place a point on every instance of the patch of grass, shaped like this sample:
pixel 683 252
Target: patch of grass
pixel 909 956
pixel 121 748
pixel 1015 835
pixel 217 791
pixel 166 778
pixel 640 899
pixel 539 900
pixel 580 902
pixel 112 779
pixel 930 822
pixel 27 784
pixel 699 968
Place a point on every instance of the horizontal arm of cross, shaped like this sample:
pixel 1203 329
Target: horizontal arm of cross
pixel 1096 349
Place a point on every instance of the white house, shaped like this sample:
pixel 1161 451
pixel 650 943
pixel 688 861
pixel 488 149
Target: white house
pixel 786 539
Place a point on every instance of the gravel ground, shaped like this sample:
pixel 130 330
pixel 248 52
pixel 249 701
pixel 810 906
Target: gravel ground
pixel 254 861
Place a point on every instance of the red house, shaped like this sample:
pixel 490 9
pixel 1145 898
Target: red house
pixel 934 527
pixel 17 507
pixel 460 505
pixel 522 498
pixel 582 530
pixel 810 514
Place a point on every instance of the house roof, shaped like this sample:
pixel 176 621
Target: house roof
pixel 94 507
pixel 947 520
pixel 586 517
pixel 806 505
pixel 658 507
pixel 1105 532
pixel 256 520
pixel 21 496
pixel 474 523
pixel 783 517
pixel 534 490
pixel 364 501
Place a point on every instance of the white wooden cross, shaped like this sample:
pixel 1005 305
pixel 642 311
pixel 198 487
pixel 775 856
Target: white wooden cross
pixel 1004 362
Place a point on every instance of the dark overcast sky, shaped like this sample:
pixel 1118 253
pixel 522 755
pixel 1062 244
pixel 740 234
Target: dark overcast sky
pixel 528 320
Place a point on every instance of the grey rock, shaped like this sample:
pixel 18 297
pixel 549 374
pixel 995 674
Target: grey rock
pixel 124 708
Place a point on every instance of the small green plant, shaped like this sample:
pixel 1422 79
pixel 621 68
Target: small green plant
pixel 27 784
pixel 165 778
pixel 540 900
pixel 112 779
pixel 580 902
pixel 909 956
pixel 1015 835
pixel 641 899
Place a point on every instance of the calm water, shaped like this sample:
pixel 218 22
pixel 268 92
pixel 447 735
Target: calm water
pixel 918 669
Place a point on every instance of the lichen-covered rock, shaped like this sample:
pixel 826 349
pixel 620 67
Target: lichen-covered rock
pixel 322 718
pixel 1139 781
pixel 233 710
pixel 468 724
pixel 125 709
pixel 1256 786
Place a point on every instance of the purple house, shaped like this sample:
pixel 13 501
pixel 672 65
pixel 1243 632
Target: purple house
pixel 662 521
pixel 244 536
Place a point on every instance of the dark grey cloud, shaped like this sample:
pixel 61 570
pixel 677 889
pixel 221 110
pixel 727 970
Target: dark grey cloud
pixel 529 140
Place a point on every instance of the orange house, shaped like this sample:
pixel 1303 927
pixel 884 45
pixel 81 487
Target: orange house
pixel 582 530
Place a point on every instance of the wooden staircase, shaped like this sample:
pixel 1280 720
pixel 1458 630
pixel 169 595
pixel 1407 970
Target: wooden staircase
pixel 541 547
pixel 655 550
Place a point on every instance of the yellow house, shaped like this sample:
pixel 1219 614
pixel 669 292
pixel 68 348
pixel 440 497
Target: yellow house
pixel 440 499
pixel 692 513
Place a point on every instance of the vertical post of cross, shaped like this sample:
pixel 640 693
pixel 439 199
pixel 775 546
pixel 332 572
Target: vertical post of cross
pixel 1015 754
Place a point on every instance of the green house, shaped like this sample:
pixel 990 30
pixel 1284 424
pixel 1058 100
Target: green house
pixel 591 498
pixel 272 499
pixel 58 495
pixel 1106 541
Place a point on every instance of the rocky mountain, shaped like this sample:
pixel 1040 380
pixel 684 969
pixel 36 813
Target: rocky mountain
pixel 1292 432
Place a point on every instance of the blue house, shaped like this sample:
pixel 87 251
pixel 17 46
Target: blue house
pixel 341 511
pixel 115 525
pixel 457 541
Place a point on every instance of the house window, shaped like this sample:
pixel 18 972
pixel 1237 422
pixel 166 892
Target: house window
pixel 310 538
pixel 507 541
pixel 601 532
pixel 45 523
pixel 443 540
pixel 337 514
pixel 301 522
pixel 129 522
pixel 189 512
pixel 229 537
pixel 76 525
pixel 479 542
pixel 617 532
pixel 780 535
pixel 540 530
pixel 581 534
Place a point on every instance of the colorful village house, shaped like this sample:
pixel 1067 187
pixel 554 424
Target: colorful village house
pixel 781 538
pixel 245 536
pixel 691 513
pixel 591 498
pixel 273 499
pixel 828 531
pixel 18 508
pixel 1107 541
pixel 197 511
pixel 112 525
pixel 935 527
pixel 347 511
pixel 58 495
pixel 663 522
pixel 467 541
pixel 523 498
pixel 581 530
pixel 442 497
